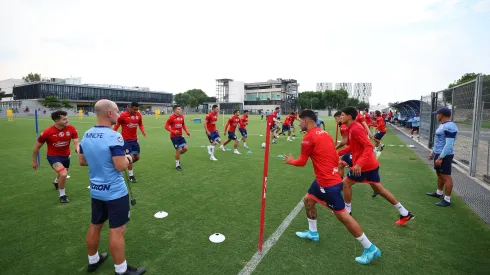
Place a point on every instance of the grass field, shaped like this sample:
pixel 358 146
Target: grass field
pixel 38 235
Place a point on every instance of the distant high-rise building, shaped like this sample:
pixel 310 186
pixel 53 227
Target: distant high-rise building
pixel 344 86
pixel 362 91
pixel 324 86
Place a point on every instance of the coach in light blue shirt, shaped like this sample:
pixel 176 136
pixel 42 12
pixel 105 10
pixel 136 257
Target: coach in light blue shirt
pixel 443 154
pixel 101 149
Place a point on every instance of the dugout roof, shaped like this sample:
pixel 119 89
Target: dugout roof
pixel 408 108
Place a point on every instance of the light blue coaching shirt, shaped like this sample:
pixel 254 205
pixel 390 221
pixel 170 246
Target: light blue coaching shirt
pixel 99 145
pixel 319 122
pixel 416 121
pixel 444 139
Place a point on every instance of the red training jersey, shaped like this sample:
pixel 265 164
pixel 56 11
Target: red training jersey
pixel 273 117
pixel 368 119
pixel 380 124
pixel 361 148
pixel 318 145
pixel 344 130
pixel 360 118
pixel 288 120
pixel 130 124
pixel 233 123
pixel 243 122
pixel 58 141
pixel 175 124
pixel 210 121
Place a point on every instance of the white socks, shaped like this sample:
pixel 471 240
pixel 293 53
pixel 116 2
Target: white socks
pixel 94 259
pixel 447 198
pixel 121 268
pixel 130 173
pixel 62 192
pixel 312 225
pixel 177 163
pixel 439 192
pixel 364 241
pixel 401 209
pixel 348 207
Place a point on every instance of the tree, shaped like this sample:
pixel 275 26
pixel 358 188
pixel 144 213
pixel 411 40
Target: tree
pixel 363 105
pixel 182 99
pixel 32 77
pixel 53 103
pixel 467 77
pixel 2 94
pixel 66 104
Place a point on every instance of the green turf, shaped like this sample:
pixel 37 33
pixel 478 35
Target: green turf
pixel 41 236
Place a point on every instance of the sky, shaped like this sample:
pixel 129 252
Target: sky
pixel 404 48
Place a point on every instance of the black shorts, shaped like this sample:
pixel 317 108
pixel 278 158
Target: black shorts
pixel 415 128
pixel 446 165
pixel 117 211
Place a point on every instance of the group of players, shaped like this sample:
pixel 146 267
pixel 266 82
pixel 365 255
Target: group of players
pixel 317 144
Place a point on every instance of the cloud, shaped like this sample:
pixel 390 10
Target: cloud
pixel 482 6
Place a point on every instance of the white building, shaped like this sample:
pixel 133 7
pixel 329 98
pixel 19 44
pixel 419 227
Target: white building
pixel 7 86
pixel 362 91
pixel 265 96
pixel 344 86
pixel 324 86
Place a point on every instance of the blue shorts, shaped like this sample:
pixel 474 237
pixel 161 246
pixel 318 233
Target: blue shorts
pixel 346 160
pixel 330 197
pixel 178 142
pixel 132 146
pixel 243 132
pixel 273 127
pixel 379 135
pixel 285 128
pixel 213 136
pixel 446 165
pixel 231 135
pixel 371 176
pixel 117 211
pixel 292 124
pixel 63 160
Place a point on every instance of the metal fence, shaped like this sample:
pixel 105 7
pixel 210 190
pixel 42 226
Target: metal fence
pixel 472 116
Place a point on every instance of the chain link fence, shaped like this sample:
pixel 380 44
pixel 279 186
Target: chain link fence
pixel 472 116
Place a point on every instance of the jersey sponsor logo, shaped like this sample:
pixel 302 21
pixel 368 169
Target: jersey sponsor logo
pixel 100 187
pixel 320 132
pixel 67 133
pixel 132 125
pixel 94 135
pixel 305 142
pixel 61 144
pixel 178 125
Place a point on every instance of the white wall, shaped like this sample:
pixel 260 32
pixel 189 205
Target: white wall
pixel 7 86
pixel 237 91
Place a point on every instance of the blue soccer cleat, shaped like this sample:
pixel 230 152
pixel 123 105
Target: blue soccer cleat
pixel 309 235
pixel 369 255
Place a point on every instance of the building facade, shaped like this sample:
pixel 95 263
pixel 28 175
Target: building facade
pixel 84 96
pixel 347 86
pixel 265 96
pixel 7 86
pixel 362 91
pixel 324 86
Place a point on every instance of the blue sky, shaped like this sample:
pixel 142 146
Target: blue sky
pixel 405 48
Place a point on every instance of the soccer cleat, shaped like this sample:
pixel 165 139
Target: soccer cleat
pixel 55 185
pixel 178 168
pixel 443 203
pixel 93 267
pixel 369 254
pixel 382 147
pixel 378 154
pixel 434 194
pixel 132 179
pixel 237 153
pixel 374 194
pixel 213 158
pixel 404 219
pixel 246 147
pixel 64 199
pixel 309 235
pixel 222 148
pixel 133 271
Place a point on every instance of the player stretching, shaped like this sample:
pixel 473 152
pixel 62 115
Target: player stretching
pixel 272 119
pixel 130 120
pixel 58 138
pixel 243 128
pixel 346 160
pixel 380 125
pixel 286 126
pixel 326 189
pixel 211 132
pixel 366 166
pixel 175 124
pixel 232 123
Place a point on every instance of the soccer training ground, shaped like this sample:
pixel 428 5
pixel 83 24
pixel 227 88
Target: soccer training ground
pixel 38 235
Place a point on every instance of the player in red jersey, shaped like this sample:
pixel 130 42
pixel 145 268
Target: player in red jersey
pixel 175 124
pixel 130 120
pixel 286 125
pixel 369 120
pixel 243 128
pixel 295 117
pixel 211 131
pixel 365 167
pixel 274 122
pixel 346 159
pixel 232 123
pixel 360 118
pixel 58 138
pixel 380 125
pixel 326 189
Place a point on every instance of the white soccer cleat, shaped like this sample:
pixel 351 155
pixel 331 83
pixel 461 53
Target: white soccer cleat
pixel 213 158
pixel 209 150
pixel 246 147
pixel 68 176
pixel 222 148
pixel 236 152
pixel 378 154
